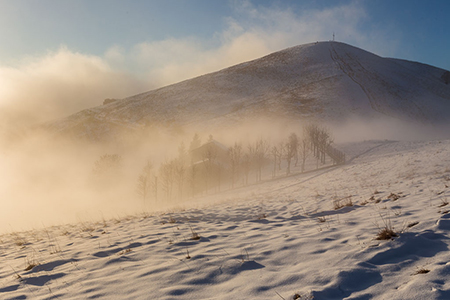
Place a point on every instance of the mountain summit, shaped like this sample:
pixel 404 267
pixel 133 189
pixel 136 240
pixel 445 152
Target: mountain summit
pixel 328 81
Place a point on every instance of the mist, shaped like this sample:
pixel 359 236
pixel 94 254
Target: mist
pixel 385 128
pixel 58 84
pixel 46 180
pixel 49 180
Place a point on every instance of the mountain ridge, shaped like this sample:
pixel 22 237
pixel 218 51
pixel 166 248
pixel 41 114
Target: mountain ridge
pixel 327 81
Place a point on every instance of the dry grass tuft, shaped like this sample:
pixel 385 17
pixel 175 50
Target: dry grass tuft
pixel 262 216
pixel 305 296
pixel 394 197
pixel 195 235
pixel 343 202
pixel 444 202
pixel 31 261
pixel 128 250
pixel 30 267
pixel 87 228
pixel 412 224
pixel 422 271
pixel 386 233
pixel 170 220
pixel 18 240
pixel 244 255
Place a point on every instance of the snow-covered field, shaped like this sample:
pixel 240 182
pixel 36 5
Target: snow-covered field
pixel 281 239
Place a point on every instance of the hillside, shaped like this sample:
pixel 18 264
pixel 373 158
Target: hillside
pixel 278 240
pixel 328 81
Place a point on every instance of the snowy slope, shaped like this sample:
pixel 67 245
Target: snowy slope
pixel 278 239
pixel 326 81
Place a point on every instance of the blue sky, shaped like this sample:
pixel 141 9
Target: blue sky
pixel 71 54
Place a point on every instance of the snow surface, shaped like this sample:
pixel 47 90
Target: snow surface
pixel 326 81
pixel 274 240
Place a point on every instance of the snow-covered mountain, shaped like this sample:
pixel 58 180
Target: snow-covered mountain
pixel 328 81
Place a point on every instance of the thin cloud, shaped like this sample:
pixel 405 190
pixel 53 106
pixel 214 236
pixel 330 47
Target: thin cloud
pixel 63 81
pixel 59 83
pixel 252 34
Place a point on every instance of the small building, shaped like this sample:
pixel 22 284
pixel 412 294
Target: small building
pixel 210 151
pixel 108 101
pixel 209 166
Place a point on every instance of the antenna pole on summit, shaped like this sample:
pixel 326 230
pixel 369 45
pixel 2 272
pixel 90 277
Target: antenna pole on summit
pixel 333 36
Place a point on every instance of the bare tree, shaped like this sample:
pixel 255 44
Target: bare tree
pixel 246 166
pixel 258 154
pixel 167 175
pixel 291 151
pixel 209 157
pixel 320 139
pixel 311 131
pixel 295 142
pixel 274 151
pixel 145 183
pixel 304 150
pixel 324 139
pixel 235 157
pixel 280 154
pixel 252 158
pixel 193 175
pixel 180 168
pixel 179 174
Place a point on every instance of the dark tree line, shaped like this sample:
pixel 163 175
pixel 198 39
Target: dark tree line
pixel 205 168
pixel 320 140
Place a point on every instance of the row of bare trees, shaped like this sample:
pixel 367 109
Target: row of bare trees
pixel 205 168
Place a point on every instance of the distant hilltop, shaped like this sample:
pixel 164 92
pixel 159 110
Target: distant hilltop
pixel 328 81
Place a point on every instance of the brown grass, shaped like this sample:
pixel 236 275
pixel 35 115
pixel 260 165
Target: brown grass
pixel 322 219
pixel 30 266
pixel 386 233
pixel 343 202
pixel 128 250
pixel 412 224
pixel 422 271
pixel 195 235
pixel 394 197
pixel 444 202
